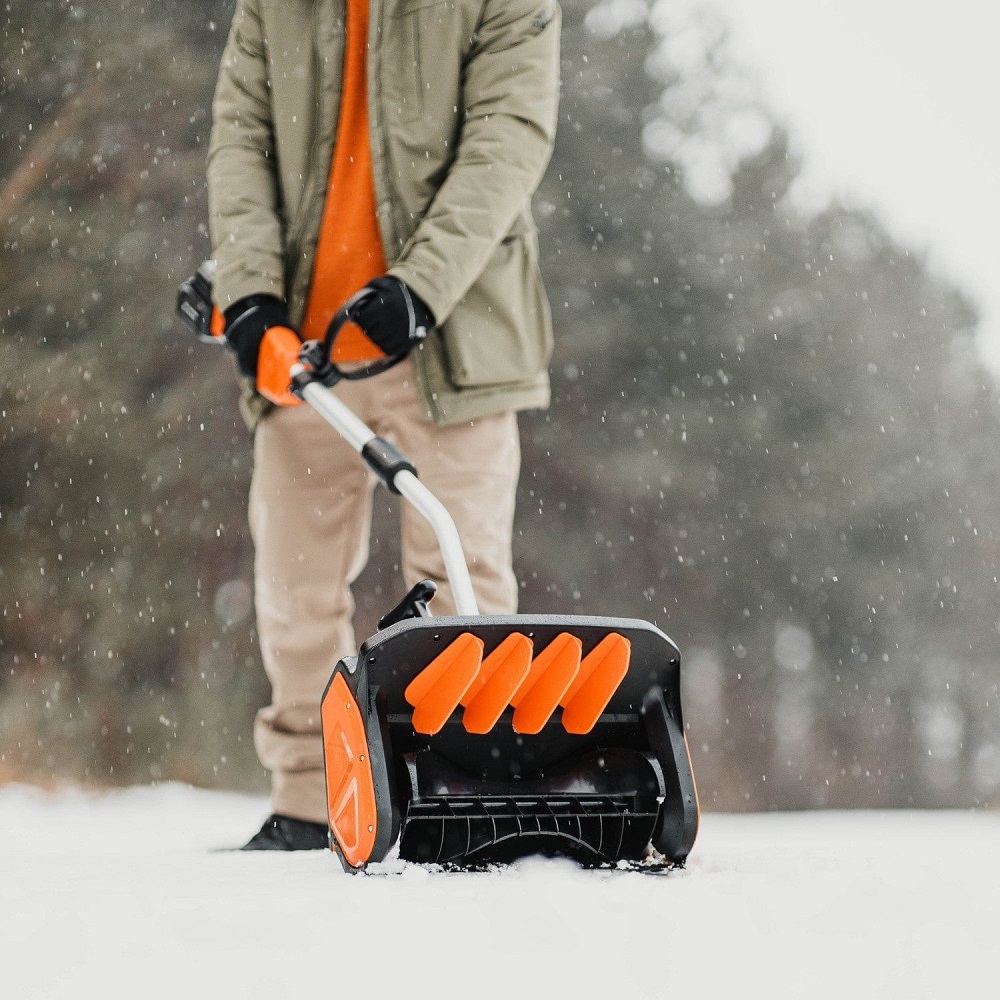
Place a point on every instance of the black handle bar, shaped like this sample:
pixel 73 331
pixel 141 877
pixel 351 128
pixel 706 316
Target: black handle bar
pixel 195 308
pixel 317 355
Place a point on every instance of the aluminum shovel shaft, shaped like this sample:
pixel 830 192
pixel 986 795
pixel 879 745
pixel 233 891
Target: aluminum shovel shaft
pixel 358 434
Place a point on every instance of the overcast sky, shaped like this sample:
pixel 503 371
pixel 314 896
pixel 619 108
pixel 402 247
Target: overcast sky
pixel 894 104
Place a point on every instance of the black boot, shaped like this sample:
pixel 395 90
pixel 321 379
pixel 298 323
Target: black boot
pixel 282 833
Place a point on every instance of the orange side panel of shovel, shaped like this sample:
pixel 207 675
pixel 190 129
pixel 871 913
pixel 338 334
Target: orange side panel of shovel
pixel 502 673
pixel 602 670
pixel 437 690
pixel 551 674
pixel 349 785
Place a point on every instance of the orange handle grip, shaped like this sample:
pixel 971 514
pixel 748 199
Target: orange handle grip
pixel 279 350
pixel 217 324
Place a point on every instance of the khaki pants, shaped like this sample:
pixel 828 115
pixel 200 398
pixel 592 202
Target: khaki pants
pixel 310 514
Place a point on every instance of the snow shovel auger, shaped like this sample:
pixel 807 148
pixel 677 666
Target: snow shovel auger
pixel 476 739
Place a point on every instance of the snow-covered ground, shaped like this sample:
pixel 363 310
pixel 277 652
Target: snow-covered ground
pixel 122 895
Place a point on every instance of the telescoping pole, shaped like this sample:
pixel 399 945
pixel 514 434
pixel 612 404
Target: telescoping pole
pixel 399 475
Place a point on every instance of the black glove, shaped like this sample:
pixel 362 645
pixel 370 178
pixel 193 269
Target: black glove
pixel 395 318
pixel 246 323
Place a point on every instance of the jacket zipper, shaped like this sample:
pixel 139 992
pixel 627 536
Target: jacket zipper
pixel 294 246
pixel 303 281
pixel 387 223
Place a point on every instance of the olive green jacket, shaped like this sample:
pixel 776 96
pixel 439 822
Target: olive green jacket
pixel 462 101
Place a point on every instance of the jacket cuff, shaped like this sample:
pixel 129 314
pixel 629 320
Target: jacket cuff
pixel 234 283
pixel 426 292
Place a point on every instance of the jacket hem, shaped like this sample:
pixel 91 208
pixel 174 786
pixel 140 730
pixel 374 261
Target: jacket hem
pixel 470 404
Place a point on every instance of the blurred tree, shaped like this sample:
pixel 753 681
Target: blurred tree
pixel 769 431
pixel 781 404
pixel 124 579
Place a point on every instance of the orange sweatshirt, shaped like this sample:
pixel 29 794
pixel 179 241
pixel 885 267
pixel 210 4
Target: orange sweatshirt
pixel 349 253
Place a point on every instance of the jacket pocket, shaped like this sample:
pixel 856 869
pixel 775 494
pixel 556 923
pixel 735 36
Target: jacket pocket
pixel 501 331
pixel 408 56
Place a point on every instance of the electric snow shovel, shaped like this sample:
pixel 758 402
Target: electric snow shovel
pixel 474 739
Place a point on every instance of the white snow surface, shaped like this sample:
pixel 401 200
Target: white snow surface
pixel 124 895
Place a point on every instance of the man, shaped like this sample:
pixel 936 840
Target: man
pixel 393 144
